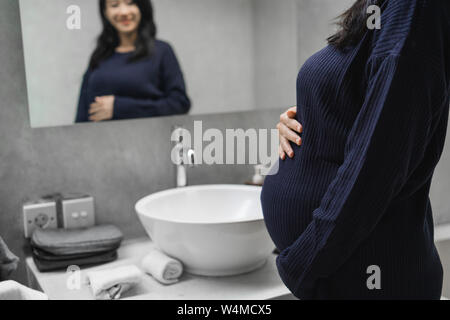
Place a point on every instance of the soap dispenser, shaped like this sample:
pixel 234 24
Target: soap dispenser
pixel 258 178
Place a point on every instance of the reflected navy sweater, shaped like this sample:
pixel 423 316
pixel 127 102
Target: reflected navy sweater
pixel 147 88
pixel 356 193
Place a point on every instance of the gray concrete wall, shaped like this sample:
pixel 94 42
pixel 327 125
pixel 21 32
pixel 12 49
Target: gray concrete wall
pixel 276 53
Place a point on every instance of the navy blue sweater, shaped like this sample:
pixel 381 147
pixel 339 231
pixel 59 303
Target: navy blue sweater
pixel 147 88
pixel 356 194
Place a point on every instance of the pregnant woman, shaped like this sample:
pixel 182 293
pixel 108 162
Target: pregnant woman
pixel 349 210
pixel 131 74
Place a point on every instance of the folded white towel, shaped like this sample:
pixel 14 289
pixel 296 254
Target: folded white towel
pixel 163 268
pixel 11 290
pixel 111 284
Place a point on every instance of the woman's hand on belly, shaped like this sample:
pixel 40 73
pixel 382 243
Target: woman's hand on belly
pixel 102 109
pixel 288 128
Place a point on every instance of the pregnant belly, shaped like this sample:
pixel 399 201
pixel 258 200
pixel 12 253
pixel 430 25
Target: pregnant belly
pixel 289 198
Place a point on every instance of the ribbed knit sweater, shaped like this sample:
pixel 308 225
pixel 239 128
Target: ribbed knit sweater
pixel 356 193
pixel 150 87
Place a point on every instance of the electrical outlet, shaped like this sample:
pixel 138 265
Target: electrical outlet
pixel 78 213
pixel 39 215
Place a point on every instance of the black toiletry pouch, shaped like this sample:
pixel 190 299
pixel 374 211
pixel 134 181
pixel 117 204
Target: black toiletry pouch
pixel 43 255
pixel 77 241
pixel 45 265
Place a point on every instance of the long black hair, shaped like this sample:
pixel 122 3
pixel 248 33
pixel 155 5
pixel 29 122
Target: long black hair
pixel 352 24
pixel 108 40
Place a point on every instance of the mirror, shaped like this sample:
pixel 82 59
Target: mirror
pixel 209 56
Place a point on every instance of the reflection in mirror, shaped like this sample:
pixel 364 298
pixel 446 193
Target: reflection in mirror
pixel 102 60
pixel 131 74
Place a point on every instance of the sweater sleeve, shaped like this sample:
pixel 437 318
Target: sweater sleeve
pixel 175 100
pixel 386 143
pixel 83 106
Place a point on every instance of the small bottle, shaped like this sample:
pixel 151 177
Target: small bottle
pixel 258 178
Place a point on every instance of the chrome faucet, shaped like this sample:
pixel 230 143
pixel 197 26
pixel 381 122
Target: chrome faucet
pixel 184 157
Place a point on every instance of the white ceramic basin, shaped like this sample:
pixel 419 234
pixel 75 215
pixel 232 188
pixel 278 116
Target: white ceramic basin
pixel 215 230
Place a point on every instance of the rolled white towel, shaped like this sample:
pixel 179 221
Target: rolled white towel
pixel 111 284
pixel 162 267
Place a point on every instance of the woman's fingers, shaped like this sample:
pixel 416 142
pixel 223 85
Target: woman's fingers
pixel 288 129
pixel 281 152
pixel 289 134
pixel 95 107
pixel 292 112
pixel 288 119
pixel 98 116
pixel 293 109
pixel 286 147
pixel 94 118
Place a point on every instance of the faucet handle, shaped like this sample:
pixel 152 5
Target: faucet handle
pixel 191 158
pixel 177 134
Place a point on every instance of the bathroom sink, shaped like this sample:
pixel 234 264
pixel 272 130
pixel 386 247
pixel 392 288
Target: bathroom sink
pixel 214 230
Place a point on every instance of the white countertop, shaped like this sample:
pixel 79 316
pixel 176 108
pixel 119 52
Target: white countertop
pixel 262 284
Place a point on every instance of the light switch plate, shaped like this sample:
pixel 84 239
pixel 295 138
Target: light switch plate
pixel 78 213
pixel 39 215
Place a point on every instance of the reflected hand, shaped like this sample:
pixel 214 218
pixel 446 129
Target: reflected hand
pixel 102 109
pixel 288 128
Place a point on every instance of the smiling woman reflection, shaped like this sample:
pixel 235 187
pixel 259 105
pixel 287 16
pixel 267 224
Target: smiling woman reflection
pixel 131 74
